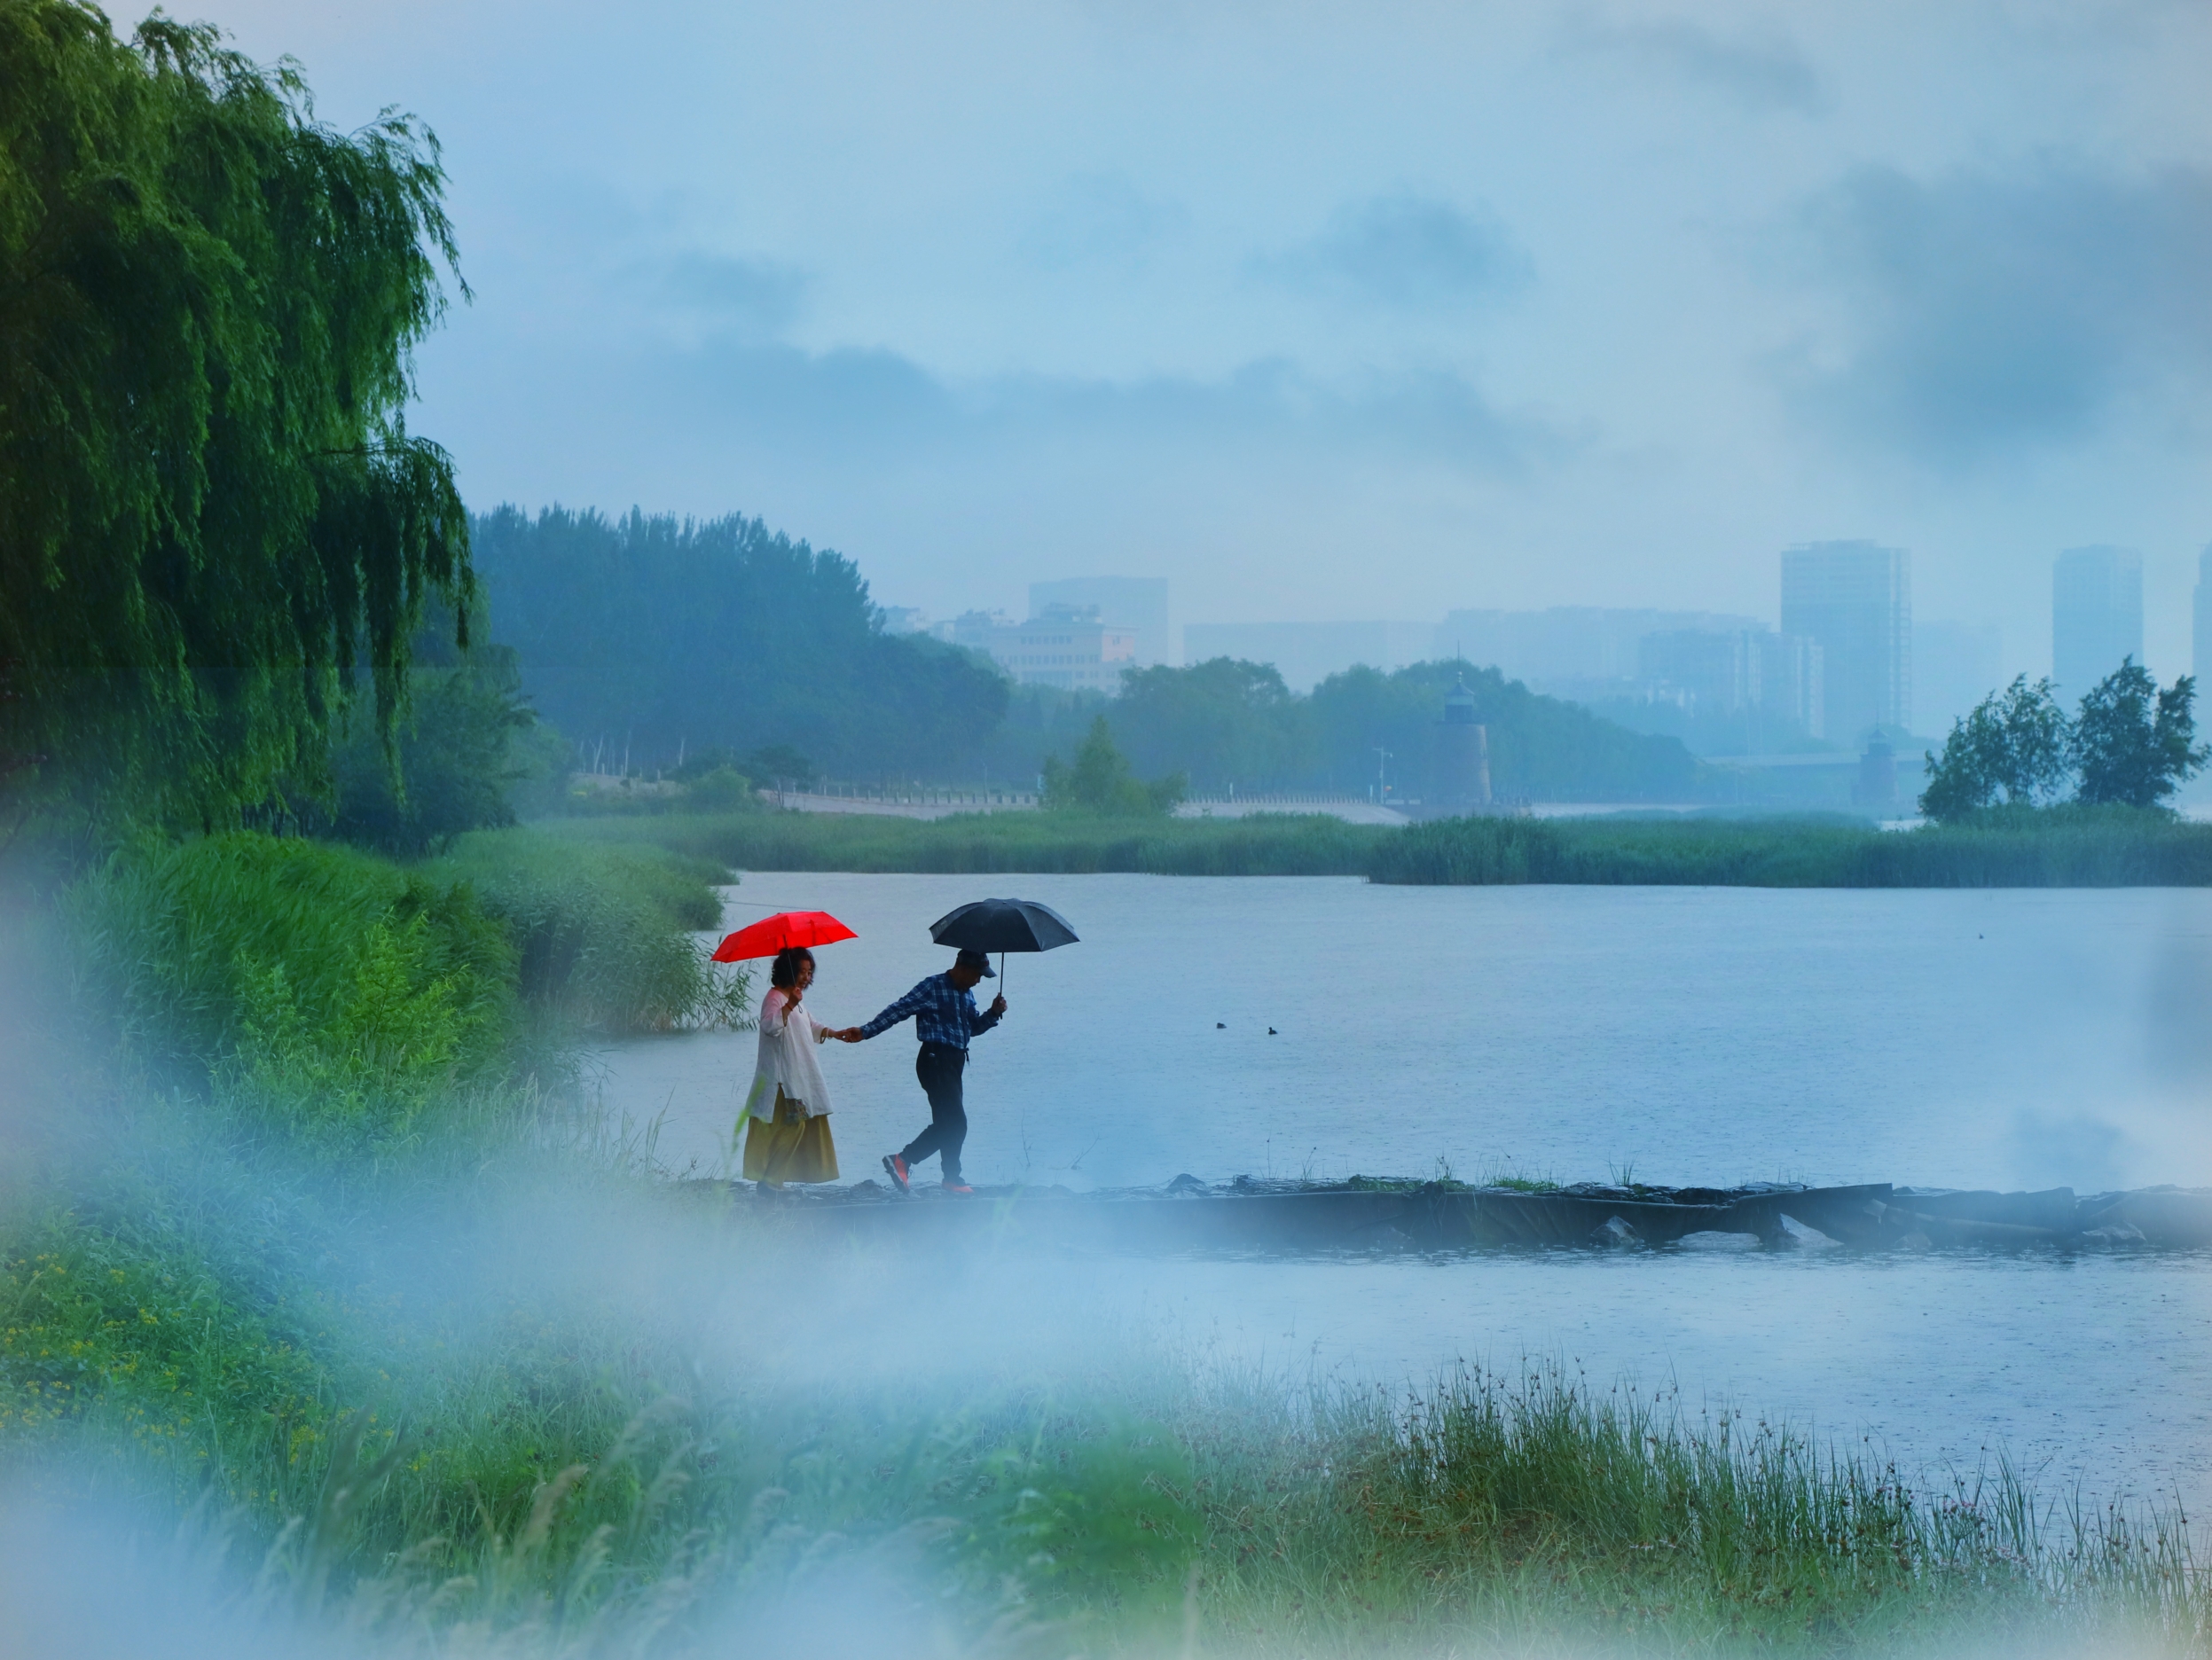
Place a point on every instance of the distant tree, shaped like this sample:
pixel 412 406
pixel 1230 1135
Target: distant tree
pixel 2013 747
pixel 657 637
pixel 1540 747
pixel 2134 744
pixel 779 763
pixel 461 749
pixel 1221 721
pixel 211 511
pixel 1101 782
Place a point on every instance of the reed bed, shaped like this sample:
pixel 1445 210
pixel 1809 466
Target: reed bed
pixel 2062 848
pixel 985 844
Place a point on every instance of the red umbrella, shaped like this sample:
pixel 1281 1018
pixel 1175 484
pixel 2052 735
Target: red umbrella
pixel 785 928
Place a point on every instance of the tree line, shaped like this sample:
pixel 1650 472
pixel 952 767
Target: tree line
pixel 2129 743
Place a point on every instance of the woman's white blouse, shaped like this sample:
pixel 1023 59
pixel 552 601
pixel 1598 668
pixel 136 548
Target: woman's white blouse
pixel 789 1038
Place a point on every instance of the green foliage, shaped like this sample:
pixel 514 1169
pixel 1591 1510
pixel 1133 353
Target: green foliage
pixel 463 745
pixel 2132 744
pixel 723 789
pixel 1100 783
pixel 2011 749
pixel 599 931
pixel 654 635
pixel 2135 744
pixel 1263 844
pixel 1228 722
pixel 326 993
pixel 1542 748
pixel 2063 847
pixel 211 511
pixel 780 764
pixel 1221 722
pixel 152 1343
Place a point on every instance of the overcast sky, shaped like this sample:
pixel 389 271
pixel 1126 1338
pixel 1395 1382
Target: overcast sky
pixel 1370 309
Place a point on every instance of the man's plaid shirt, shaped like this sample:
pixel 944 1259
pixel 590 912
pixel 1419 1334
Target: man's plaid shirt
pixel 943 1013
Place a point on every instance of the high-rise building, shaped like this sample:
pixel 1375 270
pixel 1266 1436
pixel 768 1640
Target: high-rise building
pixel 2095 614
pixel 1136 604
pixel 1793 682
pixel 2201 662
pixel 1570 651
pixel 1856 599
pixel 1955 665
pixel 1743 671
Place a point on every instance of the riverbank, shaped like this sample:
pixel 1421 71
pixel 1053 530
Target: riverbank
pixel 313 1261
pixel 2057 848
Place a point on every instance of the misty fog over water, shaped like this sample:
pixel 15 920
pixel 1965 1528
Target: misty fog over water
pixel 2007 1038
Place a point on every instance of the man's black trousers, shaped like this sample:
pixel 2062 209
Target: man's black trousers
pixel 939 1067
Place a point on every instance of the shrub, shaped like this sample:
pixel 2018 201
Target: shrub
pixel 333 994
pixel 601 932
pixel 1100 783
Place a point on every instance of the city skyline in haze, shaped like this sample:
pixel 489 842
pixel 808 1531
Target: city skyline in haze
pixel 1331 313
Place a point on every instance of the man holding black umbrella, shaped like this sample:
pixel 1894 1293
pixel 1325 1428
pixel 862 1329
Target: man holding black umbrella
pixel 945 1017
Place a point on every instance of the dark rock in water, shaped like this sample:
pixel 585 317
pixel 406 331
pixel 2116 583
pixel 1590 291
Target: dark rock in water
pixel 2052 1210
pixel 1368 1212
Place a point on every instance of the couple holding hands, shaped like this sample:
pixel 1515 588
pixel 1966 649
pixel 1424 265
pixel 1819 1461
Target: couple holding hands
pixel 788 1139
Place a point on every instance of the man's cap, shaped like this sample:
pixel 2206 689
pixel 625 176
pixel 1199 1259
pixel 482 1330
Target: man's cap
pixel 970 958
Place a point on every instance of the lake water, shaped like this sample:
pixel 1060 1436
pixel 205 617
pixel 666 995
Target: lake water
pixel 2013 1038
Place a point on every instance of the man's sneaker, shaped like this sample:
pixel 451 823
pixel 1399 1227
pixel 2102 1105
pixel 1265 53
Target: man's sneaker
pixel 958 1186
pixel 896 1168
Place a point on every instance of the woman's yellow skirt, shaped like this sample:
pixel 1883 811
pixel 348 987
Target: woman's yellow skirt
pixel 790 1148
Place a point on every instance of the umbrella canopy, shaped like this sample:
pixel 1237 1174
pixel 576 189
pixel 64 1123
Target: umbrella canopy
pixel 1003 924
pixel 780 932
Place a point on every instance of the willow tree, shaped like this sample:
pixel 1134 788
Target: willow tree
pixel 215 530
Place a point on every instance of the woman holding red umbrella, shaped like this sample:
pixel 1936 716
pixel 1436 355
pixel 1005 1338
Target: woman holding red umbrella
pixel 786 1115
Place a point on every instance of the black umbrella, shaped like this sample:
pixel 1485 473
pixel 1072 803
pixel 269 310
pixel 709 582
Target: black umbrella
pixel 1003 926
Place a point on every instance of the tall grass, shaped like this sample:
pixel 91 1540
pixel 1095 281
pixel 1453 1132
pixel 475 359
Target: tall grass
pixel 2066 848
pixel 600 929
pixel 2099 848
pixel 984 844
pixel 327 992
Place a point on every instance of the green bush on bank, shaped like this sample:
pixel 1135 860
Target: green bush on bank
pixel 325 991
pixel 600 930
pixel 338 996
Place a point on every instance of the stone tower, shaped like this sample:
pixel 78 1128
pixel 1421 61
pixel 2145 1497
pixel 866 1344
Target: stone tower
pixel 1460 776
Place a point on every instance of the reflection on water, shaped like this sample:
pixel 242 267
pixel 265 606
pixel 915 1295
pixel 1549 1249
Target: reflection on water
pixel 2007 1038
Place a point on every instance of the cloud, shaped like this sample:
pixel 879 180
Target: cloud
pixel 756 298
pixel 883 405
pixel 1100 219
pixel 1982 311
pixel 1404 251
pixel 1761 71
